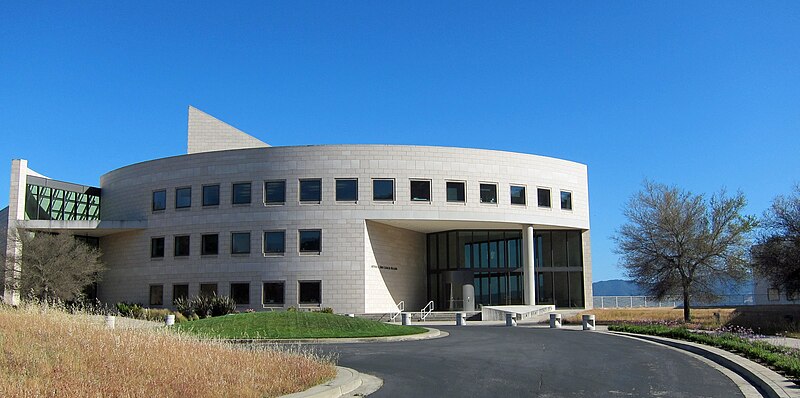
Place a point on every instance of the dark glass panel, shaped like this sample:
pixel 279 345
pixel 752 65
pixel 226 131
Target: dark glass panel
pixel 420 191
pixel 182 246
pixel 273 293
pixel 274 242
pixel 209 244
pixel 183 197
pixel 211 195
pixel 561 289
pixel 455 192
pixel 559 248
pixel 240 242
pixel 242 193
pixel 452 250
pixel 574 249
pixel 432 263
pixel 310 241
pixel 442 251
pixel 157 295
pixel 517 195
pixel 275 192
pixel 544 289
pixel 566 200
pixel 310 292
pixel 383 190
pixel 545 254
pixel 576 289
pixel 159 200
pixel 464 250
pixel 347 190
pixel 311 190
pixel 180 292
pixel 240 293
pixel 157 247
pixel 513 258
pixel 543 197
pixel 208 289
pixel 501 253
pixel 488 193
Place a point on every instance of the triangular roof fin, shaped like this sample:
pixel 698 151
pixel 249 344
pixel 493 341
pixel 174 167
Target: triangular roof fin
pixel 209 134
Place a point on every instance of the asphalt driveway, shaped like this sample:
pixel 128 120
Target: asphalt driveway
pixel 494 361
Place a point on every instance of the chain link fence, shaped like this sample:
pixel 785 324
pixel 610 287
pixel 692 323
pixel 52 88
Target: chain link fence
pixel 671 302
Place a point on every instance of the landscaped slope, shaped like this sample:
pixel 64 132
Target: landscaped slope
pixel 49 353
pixel 292 325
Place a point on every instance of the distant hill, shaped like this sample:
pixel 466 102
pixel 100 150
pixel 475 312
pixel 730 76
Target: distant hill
pixel 616 287
pixel 621 287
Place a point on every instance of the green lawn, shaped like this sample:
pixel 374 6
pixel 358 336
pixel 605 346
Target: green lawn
pixel 292 325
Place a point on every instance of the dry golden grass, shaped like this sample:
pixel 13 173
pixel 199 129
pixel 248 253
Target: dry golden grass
pixel 701 316
pixel 48 353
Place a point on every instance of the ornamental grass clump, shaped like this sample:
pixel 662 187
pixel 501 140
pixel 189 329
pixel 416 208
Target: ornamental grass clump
pixel 47 352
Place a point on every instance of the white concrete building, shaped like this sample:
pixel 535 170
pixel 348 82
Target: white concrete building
pixel 357 228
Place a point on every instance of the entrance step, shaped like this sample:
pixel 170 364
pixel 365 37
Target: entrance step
pixel 523 312
pixel 433 316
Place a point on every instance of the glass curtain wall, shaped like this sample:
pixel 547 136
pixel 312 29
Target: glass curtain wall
pixel 491 261
pixel 48 203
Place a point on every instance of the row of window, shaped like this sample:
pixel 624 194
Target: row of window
pixel 274 243
pixel 273 294
pixel 383 190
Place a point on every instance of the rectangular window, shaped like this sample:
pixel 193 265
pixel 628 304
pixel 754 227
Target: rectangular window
pixel 241 193
pixel 240 293
pixel 159 200
pixel 543 197
pixel 156 247
pixel 180 292
pixel 383 190
pixel 209 244
pixel 208 289
pixel 311 190
pixel 240 242
pixel 488 193
pixel 275 192
pixel 183 197
pixel 274 242
pixel 566 200
pixel 210 195
pixel 310 240
pixel 455 191
pixel 182 246
pixel 347 190
pixel 310 292
pixel 773 294
pixel 420 191
pixel 518 195
pixel 273 294
pixel 156 294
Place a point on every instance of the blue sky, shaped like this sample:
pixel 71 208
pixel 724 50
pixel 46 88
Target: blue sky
pixel 703 95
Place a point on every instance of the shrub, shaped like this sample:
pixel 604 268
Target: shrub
pixel 155 314
pixel 183 305
pixel 202 305
pixel 130 310
pixel 327 310
pixel 179 317
pixel 222 305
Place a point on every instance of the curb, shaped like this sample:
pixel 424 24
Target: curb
pixel 346 381
pixel 767 382
pixel 432 333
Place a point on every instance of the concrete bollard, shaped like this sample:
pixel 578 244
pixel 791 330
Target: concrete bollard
pixel 169 320
pixel 406 318
pixel 588 322
pixel 510 319
pixel 555 321
pixel 110 321
pixel 461 319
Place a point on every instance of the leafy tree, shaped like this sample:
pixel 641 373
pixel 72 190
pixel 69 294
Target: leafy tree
pixel 675 242
pixel 777 252
pixel 52 266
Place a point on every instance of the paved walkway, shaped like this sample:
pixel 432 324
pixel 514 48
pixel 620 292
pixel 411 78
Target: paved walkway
pixel 491 361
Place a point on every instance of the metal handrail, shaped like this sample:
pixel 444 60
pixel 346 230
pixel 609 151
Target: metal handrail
pixel 401 306
pixel 425 311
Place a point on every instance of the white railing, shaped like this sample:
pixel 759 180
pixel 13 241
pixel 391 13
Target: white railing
pixel 669 302
pixel 425 311
pixel 401 306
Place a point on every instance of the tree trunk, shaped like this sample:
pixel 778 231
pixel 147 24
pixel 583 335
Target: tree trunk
pixel 687 315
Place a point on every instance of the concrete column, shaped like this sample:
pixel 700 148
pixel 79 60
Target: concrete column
pixel 528 274
pixel 16 212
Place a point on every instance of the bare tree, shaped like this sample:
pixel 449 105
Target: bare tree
pixel 675 242
pixel 777 252
pixel 51 266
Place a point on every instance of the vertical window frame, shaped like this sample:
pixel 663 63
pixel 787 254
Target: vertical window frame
pixel 464 191
pixel 153 201
pixel 300 243
pixel 203 194
pixel 274 253
pixel 394 190
pixel 336 190
pixel 481 185
pixel 236 253
pixel 524 194
pixel 539 204
pixel 300 191
pixel 411 182
pixel 249 201
pixel 561 197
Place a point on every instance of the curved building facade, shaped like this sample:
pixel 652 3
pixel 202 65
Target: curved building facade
pixel 358 228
